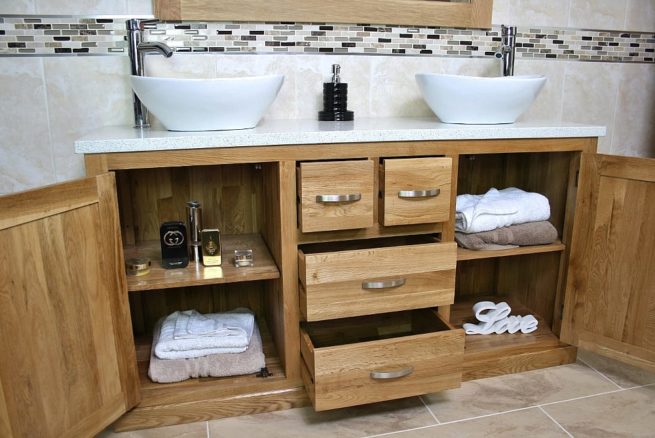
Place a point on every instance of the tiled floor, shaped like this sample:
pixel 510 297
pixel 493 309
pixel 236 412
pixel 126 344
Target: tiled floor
pixel 595 397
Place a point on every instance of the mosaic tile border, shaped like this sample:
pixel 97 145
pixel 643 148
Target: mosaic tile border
pixel 66 35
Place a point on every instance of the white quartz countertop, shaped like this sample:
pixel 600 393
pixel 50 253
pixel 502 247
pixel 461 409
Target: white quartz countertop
pixel 295 132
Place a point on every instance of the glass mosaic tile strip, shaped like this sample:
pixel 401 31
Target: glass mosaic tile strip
pixel 55 35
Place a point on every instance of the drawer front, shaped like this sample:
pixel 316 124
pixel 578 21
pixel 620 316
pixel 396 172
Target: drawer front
pixel 373 371
pixel 415 190
pixel 335 195
pixel 352 283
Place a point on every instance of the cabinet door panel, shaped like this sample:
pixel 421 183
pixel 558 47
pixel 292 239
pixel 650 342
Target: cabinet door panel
pixel 610 298
pixel 68 365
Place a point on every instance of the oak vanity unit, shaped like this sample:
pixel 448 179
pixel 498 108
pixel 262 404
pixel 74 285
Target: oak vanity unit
pixel 358 287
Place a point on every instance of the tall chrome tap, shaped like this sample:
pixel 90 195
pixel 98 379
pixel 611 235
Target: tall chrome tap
pixel 137 49
pixel 506 52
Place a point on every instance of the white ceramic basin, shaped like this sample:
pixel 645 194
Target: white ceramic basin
pixel 207 104
pixel 479 100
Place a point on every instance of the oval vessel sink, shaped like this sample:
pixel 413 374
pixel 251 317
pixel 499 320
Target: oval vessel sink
pixel 479 100
pixel 207 104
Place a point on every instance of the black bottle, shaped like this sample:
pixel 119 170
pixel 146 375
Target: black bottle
pixel 174 253
pixel 335 99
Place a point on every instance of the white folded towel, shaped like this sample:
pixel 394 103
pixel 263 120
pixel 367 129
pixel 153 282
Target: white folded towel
pixel 494 318
pixel 192 324
pixel 499 208
pixel 239 321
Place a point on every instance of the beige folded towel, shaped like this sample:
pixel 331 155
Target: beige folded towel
pixel 213 365
pixel 530 233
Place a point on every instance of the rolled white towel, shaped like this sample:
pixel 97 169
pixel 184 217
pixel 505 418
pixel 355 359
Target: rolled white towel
pixel 499 208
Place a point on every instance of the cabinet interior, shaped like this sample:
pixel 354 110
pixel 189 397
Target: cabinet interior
pixel 529 279
pixel 238 199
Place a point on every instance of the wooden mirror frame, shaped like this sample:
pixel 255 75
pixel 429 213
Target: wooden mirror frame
pixel 475 14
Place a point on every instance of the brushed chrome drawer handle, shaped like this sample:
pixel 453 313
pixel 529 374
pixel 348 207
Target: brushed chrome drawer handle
pixel 386 284
pixel 383 375
pixel 429 193
pixel 327 199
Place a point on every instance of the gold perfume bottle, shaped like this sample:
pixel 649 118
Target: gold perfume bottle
pixel 211 247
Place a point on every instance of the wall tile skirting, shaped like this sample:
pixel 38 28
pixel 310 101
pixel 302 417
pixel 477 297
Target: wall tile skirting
pixel 105 35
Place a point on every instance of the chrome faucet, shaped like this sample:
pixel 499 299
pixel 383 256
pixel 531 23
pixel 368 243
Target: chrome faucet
pixel 137 49
pixel 507 50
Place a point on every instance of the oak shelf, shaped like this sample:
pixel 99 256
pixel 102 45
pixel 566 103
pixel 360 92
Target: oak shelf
pixel 468 254
pixel 190 390
pixel 196 274
pixel 490 355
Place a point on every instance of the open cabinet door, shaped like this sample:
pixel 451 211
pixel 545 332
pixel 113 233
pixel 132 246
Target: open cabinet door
pixel 67 358
pixel 610 293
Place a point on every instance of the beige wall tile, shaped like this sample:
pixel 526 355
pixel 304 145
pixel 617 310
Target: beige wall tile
pixel 548 105
pixel 634 127
pixel 597 14
pixel 352 422
pixel 139 7
pixel 84 93
pixel 18 7
pixel 81 7
pixel 628 413
pixel 515 391
pixel 25 152
pixel 525 423
pixel 590 96
pixel 549 13
pixel 640 15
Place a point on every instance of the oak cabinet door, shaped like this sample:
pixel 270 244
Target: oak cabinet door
pixel 610 294
pixel 67 358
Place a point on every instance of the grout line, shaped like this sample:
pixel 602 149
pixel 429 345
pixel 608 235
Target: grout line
pixel 555 421
pixel 429 410
pixel 489 415
pixel 603 375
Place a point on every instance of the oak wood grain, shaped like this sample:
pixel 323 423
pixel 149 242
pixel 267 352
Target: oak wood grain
pixel 415 174
pixel 476 13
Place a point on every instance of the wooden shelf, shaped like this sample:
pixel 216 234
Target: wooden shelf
pixel 468 254
pixel 490 355
pixel 153 394
pixel 196 274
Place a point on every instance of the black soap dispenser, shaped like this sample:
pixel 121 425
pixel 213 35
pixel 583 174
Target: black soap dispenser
pixel 335 99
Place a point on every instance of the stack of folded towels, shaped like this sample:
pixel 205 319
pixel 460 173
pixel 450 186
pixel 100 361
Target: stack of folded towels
pixel 188 344
pixel 502 219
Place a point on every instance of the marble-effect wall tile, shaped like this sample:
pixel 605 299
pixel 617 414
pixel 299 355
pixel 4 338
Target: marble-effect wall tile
pixel 590 94
pixel 597 14
pixel 18 7
pixel 25 151
pixel 84 94
pixel 81 7
pixel 640 15
pixel 634 127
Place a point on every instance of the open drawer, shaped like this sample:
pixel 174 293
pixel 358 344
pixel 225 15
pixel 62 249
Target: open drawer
pixel 344 279
pixel 368 359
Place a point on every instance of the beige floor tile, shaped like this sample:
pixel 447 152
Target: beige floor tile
pixel 524 423
pixel 191 430
pixel 629 413
pixel 625 376
pixel 504 393
pixel 358 421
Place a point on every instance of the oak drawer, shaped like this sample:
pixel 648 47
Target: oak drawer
pixel 415 190
pixel 362 360
pixel 335 195
pixel 375 276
